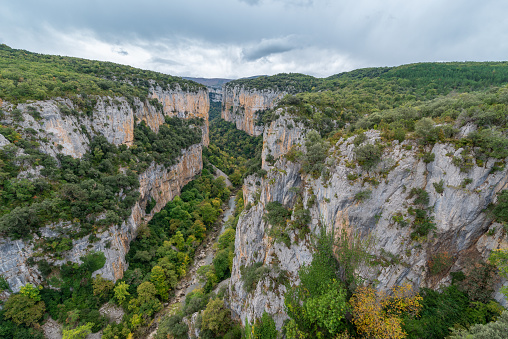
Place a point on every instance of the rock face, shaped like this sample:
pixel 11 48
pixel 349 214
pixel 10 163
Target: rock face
pixel 68 134
pixel 464 232
pixel 114 118
pixel 240 105
pixel 215 94
pixel 185 105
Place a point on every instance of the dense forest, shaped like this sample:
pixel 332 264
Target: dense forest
pixel 32 76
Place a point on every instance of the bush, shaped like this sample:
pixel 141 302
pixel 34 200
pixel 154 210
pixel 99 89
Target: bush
pixel 440 263
pixel 315 155
pixel 277 214
pixel 500 210
pixel 439 186
pixel 252 274
pixel 495 329
pixel 445 310
pixel 172 326
pixel 216 317
pixel 24 310
pixel 428 157
pixel 264 328
pixel 368 156
pixel 363 195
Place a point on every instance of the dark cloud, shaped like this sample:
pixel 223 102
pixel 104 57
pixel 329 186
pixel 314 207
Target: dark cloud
pixel 121 51
pixel 225 38
pixel 268 47
pixel 168 62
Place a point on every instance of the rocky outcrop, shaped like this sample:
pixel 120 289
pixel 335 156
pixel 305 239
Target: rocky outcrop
pixel 215 94
pixel 3 141
pixel 185 105
pixel 157 182
pixel 240 105
pixel 464 232
pixel 66 129
pixel 279 137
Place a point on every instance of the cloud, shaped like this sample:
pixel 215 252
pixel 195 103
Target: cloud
pixel 269 47
pixel 250 2
pixel 227 38
pixel 163 61
pixel 120 51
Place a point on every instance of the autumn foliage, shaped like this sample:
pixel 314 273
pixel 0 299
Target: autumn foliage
pixel 379 315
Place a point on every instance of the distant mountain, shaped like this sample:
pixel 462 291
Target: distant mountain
pixel 217 82
pixel 210 82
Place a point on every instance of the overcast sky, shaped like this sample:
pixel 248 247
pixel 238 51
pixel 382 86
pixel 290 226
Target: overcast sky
pixel 239 38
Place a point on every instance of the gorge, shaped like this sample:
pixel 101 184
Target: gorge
pixel 111 181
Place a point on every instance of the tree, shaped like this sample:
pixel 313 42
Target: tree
pixel 378 315
pixel 101 286
pixel 158 278
pixel 79 332
pixel 31 291
pixel 264 328
pixel 493 330
pixel 121 292
pixel 499 258
pixel 216 317
pixel 23 309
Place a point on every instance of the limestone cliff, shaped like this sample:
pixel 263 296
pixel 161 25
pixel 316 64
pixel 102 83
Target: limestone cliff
pixel 67 129
pixel 62 128
pixel 181 104
pixel 463 230
pixel 240 105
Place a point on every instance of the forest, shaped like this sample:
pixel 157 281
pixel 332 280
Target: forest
pixel 32 76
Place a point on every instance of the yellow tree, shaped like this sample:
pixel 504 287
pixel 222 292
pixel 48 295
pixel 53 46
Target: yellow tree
pixel 378 315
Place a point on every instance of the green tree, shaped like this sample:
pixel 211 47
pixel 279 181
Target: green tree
pixel 158 278
pixel 216 317
pixel 264 328
pixel 23 309
pixel 79 332
pixel 121 292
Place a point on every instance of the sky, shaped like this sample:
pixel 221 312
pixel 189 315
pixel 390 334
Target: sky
pixel 241 38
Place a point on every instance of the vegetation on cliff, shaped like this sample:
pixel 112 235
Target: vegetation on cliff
pixel 36 189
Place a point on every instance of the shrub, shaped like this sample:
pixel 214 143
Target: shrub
pixel 379 315
pixel 422 196
pixel 368 156
pixel 363 195
pixel 24 310
pixel 428 157
pixel 425 129
pixel 495 329
pixel 79 332
pixel 440 263
pixel 439 186
pixel 277 214
pixel 252 274
pixel 315 155
pixel 264 328
pixel 500 210
pixel 172 326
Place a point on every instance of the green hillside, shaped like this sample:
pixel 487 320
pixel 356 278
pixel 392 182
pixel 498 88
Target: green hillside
pixel 31 76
